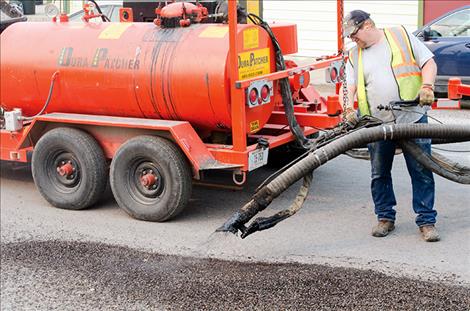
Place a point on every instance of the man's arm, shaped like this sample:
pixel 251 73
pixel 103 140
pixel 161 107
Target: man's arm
pixel 425 60
pixel 429 72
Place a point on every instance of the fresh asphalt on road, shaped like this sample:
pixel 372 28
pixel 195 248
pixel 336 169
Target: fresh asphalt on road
pixel 91 276
pixel 321 258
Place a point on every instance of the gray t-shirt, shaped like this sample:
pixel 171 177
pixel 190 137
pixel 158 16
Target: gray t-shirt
pixel 381 86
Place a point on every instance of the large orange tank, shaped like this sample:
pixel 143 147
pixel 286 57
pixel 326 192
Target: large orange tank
pixel 132 70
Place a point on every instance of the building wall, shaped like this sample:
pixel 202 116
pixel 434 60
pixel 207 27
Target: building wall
pixel 316 20
pixel 76 5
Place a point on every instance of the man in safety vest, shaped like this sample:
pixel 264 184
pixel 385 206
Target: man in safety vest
pixel 391 65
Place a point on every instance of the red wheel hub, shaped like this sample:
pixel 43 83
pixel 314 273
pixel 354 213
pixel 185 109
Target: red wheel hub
pixel 65 169
pixel 148 180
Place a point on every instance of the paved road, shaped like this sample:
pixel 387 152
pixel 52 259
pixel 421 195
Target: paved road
pixel 332 229
pixel 95 276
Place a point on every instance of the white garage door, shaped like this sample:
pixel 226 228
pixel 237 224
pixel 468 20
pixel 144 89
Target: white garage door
pixel 316 20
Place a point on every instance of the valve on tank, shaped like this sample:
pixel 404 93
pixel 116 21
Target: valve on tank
pixel 183 14
pixel 89 12
pixel 180 14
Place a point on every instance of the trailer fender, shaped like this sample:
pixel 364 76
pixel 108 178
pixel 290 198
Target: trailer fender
pixel 112 132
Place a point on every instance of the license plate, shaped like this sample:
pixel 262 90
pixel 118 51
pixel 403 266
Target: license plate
pixel 257 158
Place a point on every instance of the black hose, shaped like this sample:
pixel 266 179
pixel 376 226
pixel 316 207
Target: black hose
pixel 434 162
pixel 286 92
pixel 361 137
pixel 448 140
pixel 327 137
pixel 104 18
pixel 269 192
pixel 263 223
pixel 437 163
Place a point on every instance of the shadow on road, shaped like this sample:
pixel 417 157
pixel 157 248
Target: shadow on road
pixel 16 171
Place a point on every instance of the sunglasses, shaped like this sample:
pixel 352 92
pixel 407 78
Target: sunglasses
pixel 359 27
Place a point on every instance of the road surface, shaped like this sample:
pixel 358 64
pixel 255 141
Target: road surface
pixel 324 256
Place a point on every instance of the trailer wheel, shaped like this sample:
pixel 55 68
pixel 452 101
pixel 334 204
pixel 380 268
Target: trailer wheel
pixel 69 168
pixel 150 178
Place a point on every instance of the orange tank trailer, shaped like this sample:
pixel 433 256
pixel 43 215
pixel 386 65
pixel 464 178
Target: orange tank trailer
pixel 148 108
pixel 129 70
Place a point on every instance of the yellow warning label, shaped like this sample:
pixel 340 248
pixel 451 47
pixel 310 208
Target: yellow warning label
pixel 253 64
pixel 254 126
pixel 114 31
pixel 214 32
pixel 253 6
pixel 250 38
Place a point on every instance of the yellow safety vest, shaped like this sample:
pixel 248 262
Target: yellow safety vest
pixel 405 69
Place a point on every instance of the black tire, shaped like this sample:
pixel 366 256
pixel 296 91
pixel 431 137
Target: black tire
pixel 151 156
pixel 85 185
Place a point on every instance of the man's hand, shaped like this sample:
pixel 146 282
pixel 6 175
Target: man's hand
pixel 426 95
pixel 350 115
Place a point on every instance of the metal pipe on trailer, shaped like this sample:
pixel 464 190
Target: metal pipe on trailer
pixel 236 95
pixel 456 89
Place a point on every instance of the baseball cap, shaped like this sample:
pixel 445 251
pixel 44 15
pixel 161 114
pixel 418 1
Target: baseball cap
pixel 353 21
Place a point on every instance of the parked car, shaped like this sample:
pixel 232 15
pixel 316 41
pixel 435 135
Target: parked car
pixel 10 13
pixel 110 10
pixel 448 37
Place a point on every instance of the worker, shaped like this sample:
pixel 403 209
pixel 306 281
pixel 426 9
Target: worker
pixel 391 65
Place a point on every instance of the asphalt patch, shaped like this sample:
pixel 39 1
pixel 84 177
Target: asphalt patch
pixel 57 275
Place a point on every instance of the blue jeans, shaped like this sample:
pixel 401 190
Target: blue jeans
pixel 422 181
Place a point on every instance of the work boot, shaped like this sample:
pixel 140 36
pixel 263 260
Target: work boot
pixel 429 233
pixel 383 228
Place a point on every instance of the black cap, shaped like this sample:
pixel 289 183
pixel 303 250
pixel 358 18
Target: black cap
pixel 353 21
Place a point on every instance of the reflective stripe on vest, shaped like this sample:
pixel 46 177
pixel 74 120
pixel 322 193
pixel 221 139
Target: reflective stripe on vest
pixel 364 108
pixel 405 69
